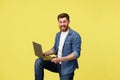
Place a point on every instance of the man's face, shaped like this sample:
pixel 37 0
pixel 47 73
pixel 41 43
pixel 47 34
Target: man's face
pixel 63 24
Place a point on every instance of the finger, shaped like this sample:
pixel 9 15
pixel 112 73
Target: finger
pixel 52 60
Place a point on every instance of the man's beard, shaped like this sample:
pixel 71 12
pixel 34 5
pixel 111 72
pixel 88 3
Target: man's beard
pixel 63 28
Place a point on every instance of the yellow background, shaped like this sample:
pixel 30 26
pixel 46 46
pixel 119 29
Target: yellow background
pixel 24 21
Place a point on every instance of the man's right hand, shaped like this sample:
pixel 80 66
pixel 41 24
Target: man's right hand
pixel 47 53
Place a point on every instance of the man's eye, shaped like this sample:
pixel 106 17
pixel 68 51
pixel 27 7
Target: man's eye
pixel 60 22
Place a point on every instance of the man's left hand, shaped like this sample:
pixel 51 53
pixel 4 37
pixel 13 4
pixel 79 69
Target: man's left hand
pixel 56 60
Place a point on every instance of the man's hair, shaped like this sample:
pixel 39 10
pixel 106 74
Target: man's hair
pixel 62 15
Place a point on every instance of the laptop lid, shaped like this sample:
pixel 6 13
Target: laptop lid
pixel 38 50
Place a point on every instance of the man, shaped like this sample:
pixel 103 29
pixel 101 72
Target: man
pixel 67 47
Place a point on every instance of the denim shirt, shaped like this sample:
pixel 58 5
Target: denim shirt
pixel 72 44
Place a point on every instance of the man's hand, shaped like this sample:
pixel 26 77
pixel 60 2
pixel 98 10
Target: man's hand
pixel 47 53
pixel 56 60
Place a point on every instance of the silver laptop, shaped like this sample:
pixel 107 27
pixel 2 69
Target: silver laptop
pixel 39 53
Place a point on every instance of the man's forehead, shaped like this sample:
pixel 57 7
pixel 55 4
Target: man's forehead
pixel 62 19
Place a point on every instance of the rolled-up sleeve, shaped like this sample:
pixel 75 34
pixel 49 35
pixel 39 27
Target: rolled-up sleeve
pixel 53 50
pixel 76 45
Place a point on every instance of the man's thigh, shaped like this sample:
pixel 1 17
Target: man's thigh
pixel 67 76
pixel 50 66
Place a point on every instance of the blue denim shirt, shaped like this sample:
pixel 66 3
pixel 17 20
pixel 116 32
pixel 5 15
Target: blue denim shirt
pixel 72 44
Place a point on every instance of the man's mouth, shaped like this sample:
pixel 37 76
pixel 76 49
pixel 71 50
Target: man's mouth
pixel 62 27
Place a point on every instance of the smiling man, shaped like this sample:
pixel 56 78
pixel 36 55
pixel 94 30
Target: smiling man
pixel 67 48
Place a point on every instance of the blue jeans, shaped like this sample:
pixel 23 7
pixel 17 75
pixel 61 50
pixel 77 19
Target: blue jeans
pixel 41 64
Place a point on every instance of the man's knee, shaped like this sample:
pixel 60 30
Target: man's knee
pixel 38 62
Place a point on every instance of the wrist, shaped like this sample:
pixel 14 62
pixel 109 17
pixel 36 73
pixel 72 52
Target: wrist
pixel 62 59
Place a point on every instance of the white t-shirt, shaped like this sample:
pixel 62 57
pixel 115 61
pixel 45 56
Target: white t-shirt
pixel 61 43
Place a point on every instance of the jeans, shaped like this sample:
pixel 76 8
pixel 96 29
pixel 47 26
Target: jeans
pixel 41 64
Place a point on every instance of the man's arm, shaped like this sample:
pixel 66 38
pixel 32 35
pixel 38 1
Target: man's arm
pixel 47 53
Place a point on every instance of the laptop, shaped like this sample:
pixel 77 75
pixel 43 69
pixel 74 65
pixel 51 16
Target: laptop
pixel 38 51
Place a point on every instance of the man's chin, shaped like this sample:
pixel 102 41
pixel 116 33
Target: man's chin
pixel 63 30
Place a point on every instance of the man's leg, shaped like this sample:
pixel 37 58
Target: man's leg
pixel 40 64
pixel 67 76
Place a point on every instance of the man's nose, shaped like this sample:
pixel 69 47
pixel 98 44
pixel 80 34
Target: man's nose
pixel 62 24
